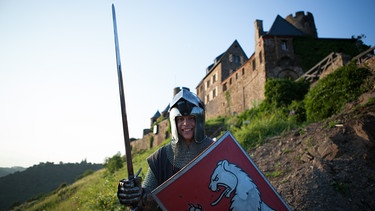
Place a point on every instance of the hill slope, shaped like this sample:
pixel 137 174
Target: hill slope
pixel 39 179
pixel 328 165
pixel 6 171
pixel 96 191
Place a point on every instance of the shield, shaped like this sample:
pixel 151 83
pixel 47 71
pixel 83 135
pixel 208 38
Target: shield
pixel 223 177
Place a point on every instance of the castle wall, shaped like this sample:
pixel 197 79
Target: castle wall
pixel 248 91
pixel 142 144
pixel 279 54
pixel 242 90
pixel 162 133
pixel 152 139
pixel 217 107
pixel 211 90
pixel 208 88
pixel 212 94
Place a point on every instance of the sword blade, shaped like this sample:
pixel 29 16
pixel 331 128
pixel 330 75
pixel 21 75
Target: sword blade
pixel 129 162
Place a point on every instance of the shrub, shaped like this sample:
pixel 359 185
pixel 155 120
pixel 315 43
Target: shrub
pixel 114 163
pixel 281 92
pixel 297 111
pixel 331 93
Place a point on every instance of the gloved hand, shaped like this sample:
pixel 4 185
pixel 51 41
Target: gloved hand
pixel 129 192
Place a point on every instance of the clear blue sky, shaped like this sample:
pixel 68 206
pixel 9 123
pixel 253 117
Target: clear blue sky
pixel 58 82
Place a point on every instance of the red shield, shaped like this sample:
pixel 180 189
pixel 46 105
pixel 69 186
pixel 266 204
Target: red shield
pixel 223 177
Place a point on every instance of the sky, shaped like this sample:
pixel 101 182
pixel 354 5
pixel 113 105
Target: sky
pixel 59 97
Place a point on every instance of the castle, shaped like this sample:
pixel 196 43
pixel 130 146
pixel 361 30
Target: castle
pixel 235 83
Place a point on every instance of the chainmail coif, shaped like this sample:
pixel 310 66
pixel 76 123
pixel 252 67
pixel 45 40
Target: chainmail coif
pixel 179 155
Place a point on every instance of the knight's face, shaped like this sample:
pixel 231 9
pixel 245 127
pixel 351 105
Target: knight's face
pixel 186 127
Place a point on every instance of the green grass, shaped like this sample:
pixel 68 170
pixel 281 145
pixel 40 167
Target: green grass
pixel 257 130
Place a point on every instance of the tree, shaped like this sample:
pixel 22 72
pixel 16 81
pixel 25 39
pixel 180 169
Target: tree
pixel 114 163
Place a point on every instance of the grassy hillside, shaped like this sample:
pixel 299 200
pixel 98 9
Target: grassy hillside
pixel 93 192
pixel 40 179
pixel 252 128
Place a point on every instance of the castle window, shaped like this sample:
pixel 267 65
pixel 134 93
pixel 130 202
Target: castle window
pixel 156 129
pixel 254 64
pixel 208 83
pixel 284 45
pixel 236 59
pixel 214 93
pixel 260 58
pixel 243 71
pixel 236 76
pixel 224 87
pixel 214 78
pixel 230 81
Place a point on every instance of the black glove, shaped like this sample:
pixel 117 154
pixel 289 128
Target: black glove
pixel 129 192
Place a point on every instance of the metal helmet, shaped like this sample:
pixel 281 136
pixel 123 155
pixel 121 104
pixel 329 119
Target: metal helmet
pixel 186 103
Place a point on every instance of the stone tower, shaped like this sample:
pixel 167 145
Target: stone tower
pixel 303 22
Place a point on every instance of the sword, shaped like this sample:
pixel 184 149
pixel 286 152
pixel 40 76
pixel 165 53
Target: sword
pixel 129 162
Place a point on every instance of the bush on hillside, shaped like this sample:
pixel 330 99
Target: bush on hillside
pixel 297 111
pixel 114 163
pixel 331 93
pixel 281 92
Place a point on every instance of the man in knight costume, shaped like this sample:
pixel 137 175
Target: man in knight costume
pixel 187 119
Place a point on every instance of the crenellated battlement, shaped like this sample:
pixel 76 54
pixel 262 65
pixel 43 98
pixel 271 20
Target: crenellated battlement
pixel 304 22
